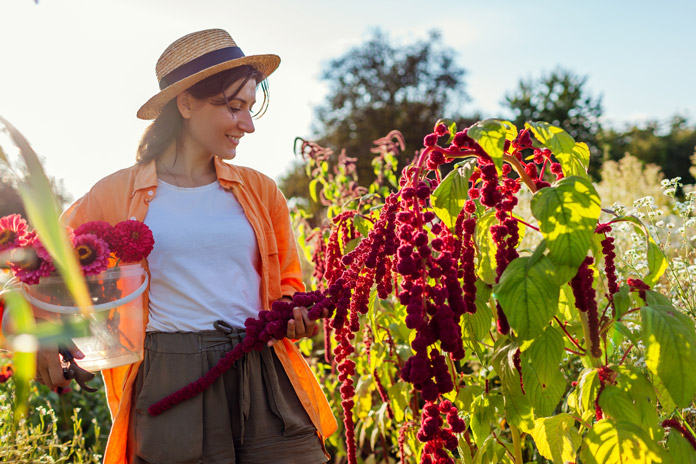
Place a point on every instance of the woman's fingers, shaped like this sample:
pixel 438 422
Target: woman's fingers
pixel 300 319
pixel 299 326
pixel 49 369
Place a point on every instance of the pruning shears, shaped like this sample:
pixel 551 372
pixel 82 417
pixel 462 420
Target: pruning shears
pixel 74 372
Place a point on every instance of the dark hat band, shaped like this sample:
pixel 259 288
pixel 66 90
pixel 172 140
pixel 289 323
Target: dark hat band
pixel 199 64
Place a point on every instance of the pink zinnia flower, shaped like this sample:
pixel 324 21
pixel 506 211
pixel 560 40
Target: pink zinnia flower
pixel 13 232
pixel 101 229
pixel 132 241
pixel 92 252
pixel 38 265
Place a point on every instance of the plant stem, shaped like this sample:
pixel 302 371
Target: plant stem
pixel 596 362
pixel 453 372
pixel 625 354
pixel 516 443
pixel 543 168
pixel 517 165
pixel 506 448
pixel 568 335
pixel 686 424
pixel 526 223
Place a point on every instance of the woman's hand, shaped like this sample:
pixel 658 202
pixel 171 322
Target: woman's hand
pixel 49 370
pixel 300 326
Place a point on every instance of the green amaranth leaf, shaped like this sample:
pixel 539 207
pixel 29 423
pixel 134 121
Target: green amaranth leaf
pixel 588 386
pixel 632 399
pixel 567 215
pixel 670 350
pixel 556 438
pixel 657 263
pixel 486 265
pixel 313 189
pixel 622 301
pixel 528 294
pixel 491 135
pixel 544 384
pixel 475 326
pixel 554 138
pixel 518 409
pixel 576 162
pixel 610 442
pixel 680 449
pixel 449 197
pixel 482 416
pixel 362 225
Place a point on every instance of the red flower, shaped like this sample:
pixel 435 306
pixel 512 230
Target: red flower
pixel 38 264
pixel 132 241
pixel 92 252
pixel 13 232
pixel 101 229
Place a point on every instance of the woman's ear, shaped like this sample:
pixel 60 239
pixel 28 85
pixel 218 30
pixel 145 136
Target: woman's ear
pixel 184 101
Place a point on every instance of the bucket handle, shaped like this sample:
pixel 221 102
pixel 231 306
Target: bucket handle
pixel 74 309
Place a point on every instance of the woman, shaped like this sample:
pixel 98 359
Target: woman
pixel 224 250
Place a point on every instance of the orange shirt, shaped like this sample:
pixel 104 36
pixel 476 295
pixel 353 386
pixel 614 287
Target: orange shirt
pixel 126 194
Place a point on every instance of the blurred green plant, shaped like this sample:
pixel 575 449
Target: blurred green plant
pixel 44 213
pixel 58 428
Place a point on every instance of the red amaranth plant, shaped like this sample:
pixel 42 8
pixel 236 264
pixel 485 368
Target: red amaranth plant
pixel 585 302
pixel 674 424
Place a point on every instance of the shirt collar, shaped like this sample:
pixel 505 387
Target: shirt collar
pixel 146 176
pixel 227 172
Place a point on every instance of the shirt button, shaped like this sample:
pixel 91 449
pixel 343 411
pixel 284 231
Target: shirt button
pixel 150 193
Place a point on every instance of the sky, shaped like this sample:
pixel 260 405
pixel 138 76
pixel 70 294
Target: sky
pixel 73 73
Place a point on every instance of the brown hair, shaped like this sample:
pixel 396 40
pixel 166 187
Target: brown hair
pixel 167 127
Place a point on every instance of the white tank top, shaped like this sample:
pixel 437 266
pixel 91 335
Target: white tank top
pixel 205 264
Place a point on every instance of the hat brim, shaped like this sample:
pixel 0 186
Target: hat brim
pixel 265 64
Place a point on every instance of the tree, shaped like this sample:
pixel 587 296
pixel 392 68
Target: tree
pixel 561 99
pixel 379 86
pixel 670 145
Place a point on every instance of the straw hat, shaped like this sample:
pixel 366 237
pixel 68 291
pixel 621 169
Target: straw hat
pixel 194 57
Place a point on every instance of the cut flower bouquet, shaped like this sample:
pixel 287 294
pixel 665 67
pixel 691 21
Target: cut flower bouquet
pixel 109 259
pixel 98 245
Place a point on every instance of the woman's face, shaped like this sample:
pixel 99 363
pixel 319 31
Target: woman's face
pixel 214 125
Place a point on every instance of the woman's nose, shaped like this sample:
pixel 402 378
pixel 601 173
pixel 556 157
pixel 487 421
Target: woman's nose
pixel 246 123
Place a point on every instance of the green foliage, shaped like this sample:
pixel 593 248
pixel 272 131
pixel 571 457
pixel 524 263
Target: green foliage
pixel 668 144
pixel 536 393
pixel 58 428
pixel 556 438
pixel 528 292
pixel 544 382
pixel 567 214
pixel 491 135
pixel 449 197
pixel 669 338
pixel 610 442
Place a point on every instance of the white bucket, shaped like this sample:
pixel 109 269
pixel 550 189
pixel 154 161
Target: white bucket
pixel 116 325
